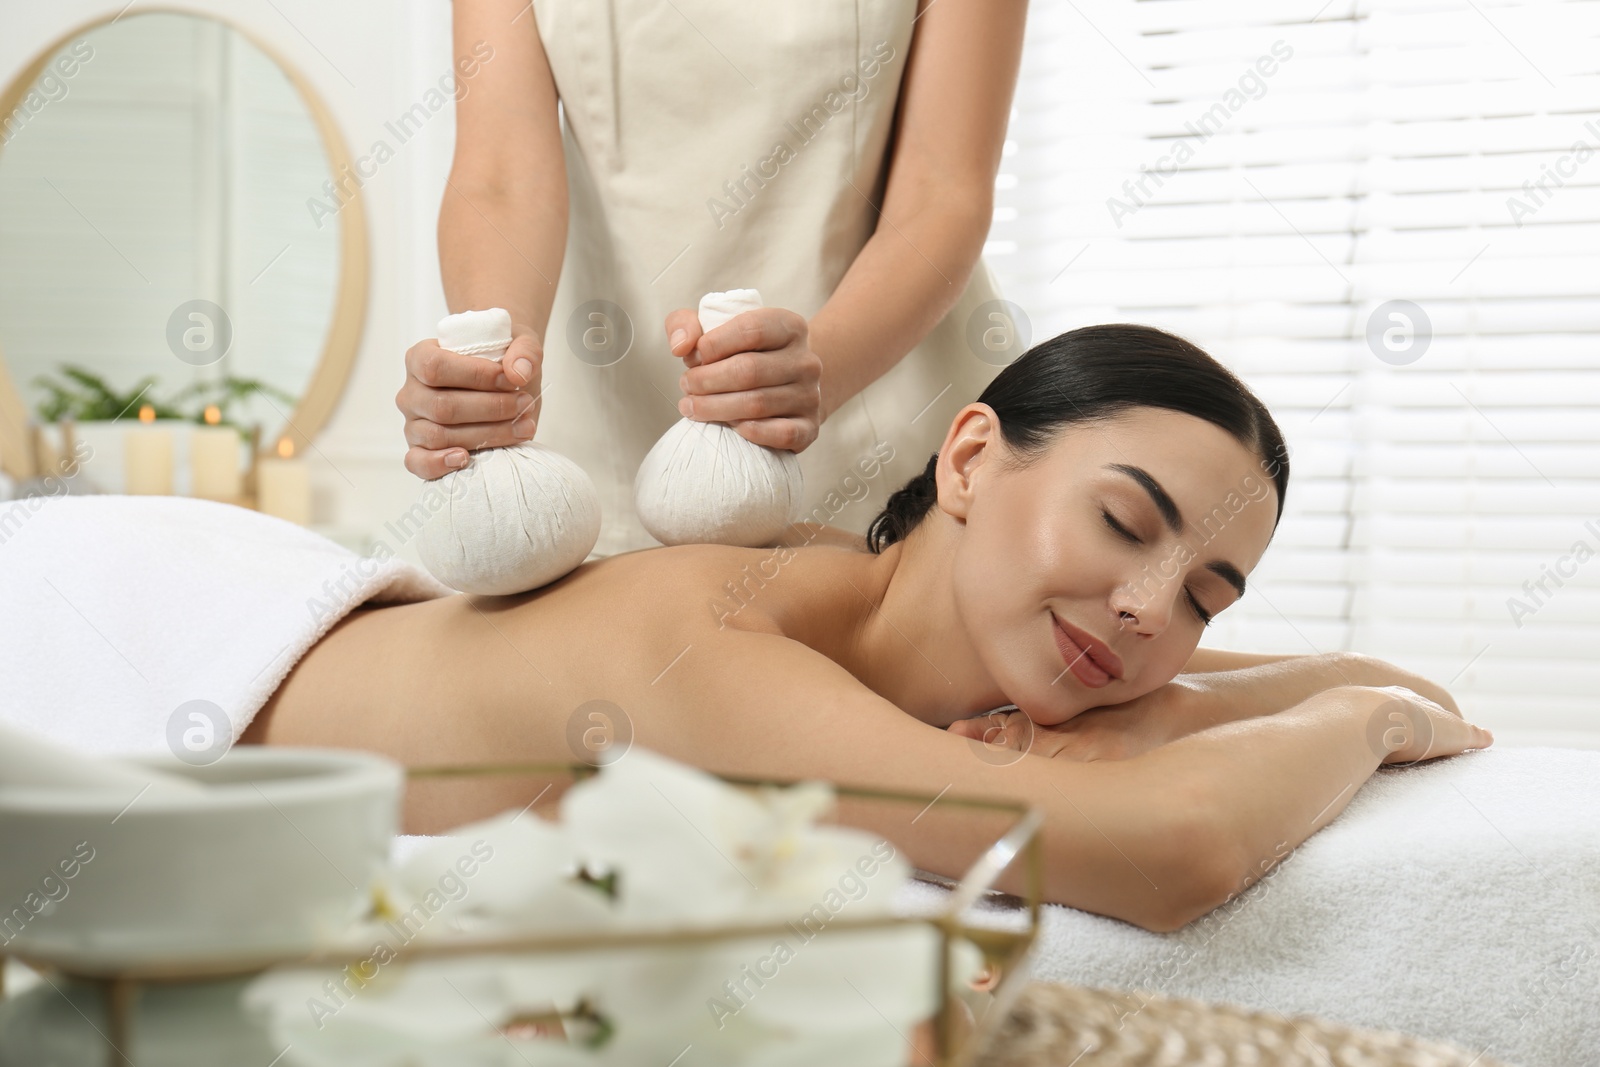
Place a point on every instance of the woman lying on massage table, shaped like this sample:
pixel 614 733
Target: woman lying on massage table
pixel 1062 553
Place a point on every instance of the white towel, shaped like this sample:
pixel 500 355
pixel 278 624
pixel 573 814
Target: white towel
pixel 1457 900
pixel 119 609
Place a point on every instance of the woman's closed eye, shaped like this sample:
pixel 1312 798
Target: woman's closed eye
pixel 1120 530
pixel 1132 538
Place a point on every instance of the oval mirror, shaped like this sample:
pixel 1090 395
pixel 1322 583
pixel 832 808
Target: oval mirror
pixel 165 222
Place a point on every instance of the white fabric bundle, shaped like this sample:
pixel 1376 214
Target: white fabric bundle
pixel 703 483
pixel 517 517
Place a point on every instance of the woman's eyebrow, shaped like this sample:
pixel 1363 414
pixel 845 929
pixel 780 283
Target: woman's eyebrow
pixel 1163 502
pixel 1174 519
pixel 1228 573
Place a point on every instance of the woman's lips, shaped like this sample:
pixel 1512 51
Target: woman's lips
pixel 1089 659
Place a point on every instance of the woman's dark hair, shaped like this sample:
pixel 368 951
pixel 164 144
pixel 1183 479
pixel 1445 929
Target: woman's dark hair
pixel 1095 372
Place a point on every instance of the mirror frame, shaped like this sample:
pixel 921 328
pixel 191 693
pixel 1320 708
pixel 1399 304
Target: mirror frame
pixel 332 372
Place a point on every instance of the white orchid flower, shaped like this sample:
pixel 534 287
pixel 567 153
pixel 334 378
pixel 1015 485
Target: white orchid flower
pixel 687 850
pixel 689 847
pixel 514 872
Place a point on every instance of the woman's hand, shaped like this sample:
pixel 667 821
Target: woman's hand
pixel 756 372
pixel 1115 732
pixel 455 403
pixel 1405 726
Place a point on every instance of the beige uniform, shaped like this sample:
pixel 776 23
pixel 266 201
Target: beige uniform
pixel 714 146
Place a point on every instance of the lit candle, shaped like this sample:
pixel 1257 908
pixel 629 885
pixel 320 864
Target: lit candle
pixel 147 457
pixel 283 485
pixel 214 459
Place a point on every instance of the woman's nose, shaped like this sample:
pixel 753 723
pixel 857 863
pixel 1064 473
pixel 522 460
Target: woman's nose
pixel 1141 613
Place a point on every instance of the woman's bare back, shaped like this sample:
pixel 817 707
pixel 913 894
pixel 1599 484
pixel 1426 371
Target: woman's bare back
pixel 621 644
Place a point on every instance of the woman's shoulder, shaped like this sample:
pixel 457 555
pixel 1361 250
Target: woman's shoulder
pixel 670 581
pixel 722 586
pixel 672 565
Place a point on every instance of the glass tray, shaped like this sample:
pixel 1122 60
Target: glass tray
pixel 1006 951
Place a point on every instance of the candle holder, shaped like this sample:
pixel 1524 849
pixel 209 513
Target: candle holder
pixel 148 454
pixel 214 468
pixel 283 482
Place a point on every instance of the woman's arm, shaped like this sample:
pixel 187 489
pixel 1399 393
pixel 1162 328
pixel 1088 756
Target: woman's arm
pixel 1115 843
pixel 1236 685
pixel 1157 840
pixel 503 219
pixel 1196 701
pixel 1216 659
pixel 955 101
pixel 502 235
pixel 1274 781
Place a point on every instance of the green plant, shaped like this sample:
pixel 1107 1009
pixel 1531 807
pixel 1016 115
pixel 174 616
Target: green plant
pixel 87 397
pixel 228 391
pixel 92 398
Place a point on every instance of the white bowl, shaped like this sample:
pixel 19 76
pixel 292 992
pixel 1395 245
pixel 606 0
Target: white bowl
pixel 277 855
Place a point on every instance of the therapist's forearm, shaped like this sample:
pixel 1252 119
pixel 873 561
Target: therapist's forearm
pixel 905 278
pixel 501 245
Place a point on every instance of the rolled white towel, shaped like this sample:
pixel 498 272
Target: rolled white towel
pixel 516 517
pixel 703 483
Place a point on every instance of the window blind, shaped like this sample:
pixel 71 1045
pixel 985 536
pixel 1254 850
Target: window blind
pixel 1268 178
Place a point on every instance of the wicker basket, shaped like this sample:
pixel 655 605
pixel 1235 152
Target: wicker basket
pixel 1055 1025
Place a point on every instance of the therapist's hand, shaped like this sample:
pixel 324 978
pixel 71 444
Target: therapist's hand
pixel 455 403
pixel 756 372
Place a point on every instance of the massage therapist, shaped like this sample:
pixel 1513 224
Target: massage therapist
pixel 838 156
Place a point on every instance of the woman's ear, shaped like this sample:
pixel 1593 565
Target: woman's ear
pixel 972 439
